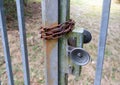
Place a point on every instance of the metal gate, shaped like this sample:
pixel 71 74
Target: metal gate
pixel 20 12
pixel 58 66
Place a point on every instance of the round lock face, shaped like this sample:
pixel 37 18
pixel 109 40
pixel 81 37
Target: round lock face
pixel 79 56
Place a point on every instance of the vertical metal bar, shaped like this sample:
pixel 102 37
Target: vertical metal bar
pixel 50 18
pixel 5 44
pixel 64 15
pixel 23 43
pixel 102 41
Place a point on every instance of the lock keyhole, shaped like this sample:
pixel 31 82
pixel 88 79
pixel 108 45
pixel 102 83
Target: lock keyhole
pixel 77 54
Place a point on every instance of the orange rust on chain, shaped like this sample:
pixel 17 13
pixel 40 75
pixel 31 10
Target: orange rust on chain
pixel 56 31
pixel 50 44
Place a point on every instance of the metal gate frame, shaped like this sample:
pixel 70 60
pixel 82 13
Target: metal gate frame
pixel 21 22
pixel 51 10
pixel 62 10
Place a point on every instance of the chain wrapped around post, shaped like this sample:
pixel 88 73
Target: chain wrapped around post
pixel 57 31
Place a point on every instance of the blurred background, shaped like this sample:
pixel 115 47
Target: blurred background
pixel 87 14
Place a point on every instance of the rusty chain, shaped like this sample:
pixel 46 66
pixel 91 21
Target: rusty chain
pixel 57 31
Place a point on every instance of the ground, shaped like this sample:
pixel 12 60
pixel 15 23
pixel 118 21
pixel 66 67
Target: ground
pixel 87 14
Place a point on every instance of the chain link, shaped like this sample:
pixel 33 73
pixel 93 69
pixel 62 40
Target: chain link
pixel 57 31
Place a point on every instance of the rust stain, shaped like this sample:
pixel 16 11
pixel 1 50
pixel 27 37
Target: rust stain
pixel 50 45
pixel 50 25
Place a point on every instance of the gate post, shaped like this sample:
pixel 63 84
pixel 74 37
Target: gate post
pixel 64 15
pixel 64 62
pixel 50 18
pixel 59 58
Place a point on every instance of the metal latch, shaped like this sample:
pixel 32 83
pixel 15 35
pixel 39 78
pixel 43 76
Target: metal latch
pixel 77 56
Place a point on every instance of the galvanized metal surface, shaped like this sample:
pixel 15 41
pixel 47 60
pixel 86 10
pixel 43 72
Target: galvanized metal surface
pixel 65 63
pixel 50 18
pixel 5 44
pixel 102 41
pixel 23 43
pixel 64 15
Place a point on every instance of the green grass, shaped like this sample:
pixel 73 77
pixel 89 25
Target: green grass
pixel 28 35
pixel 108 52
